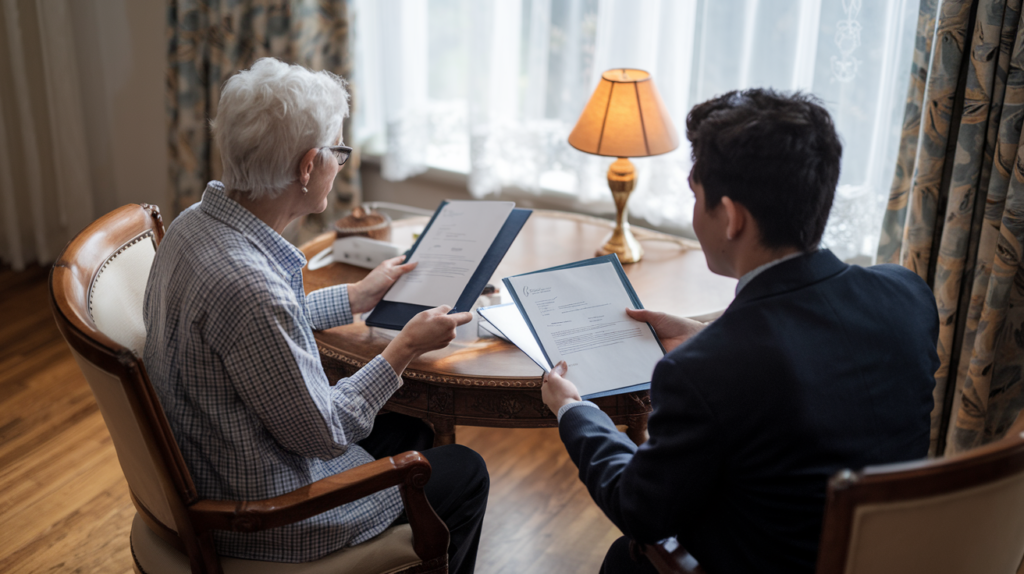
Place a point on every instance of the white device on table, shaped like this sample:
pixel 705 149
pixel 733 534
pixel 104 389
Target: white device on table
pixel 356 250
pixel 363 251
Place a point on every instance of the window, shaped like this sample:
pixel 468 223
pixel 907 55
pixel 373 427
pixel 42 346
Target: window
pixel 492 88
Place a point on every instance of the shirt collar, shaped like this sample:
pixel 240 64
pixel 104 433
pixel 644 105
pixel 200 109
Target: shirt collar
pixel 754 273
pixel 283 254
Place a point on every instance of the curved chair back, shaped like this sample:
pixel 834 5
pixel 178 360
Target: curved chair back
pixel 964 513
pixel 97 287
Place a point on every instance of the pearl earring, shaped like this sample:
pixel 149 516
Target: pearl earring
pixel 304 190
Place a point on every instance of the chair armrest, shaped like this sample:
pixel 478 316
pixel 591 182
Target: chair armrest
pixel 668 557
pixel 409 471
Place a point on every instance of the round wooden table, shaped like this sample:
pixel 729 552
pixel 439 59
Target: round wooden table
pixel 489 382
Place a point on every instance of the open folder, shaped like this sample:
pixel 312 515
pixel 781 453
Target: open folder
pixel 458 251
pixel 577 313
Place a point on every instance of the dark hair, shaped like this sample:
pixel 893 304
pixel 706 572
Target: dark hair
pixel 777 155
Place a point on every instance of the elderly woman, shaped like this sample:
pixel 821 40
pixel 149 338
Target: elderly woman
pixel 230 346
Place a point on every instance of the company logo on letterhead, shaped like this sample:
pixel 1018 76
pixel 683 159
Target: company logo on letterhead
pixel 527 291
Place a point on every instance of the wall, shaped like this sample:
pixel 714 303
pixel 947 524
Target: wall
pixel 82 127
pixel 122 68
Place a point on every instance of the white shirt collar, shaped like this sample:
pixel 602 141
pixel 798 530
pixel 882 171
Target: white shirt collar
pixel 747 277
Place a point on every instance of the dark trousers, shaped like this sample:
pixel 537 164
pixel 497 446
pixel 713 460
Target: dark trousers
pixel 619 559
pixel 458 485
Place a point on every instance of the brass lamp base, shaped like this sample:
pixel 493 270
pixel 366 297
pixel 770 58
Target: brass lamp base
pixel 622 180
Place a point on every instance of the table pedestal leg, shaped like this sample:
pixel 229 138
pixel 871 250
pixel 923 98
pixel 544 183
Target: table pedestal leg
pixel 636 429
pixel 444 430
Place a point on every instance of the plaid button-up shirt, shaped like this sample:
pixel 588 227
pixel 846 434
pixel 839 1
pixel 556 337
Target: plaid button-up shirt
pixel 230 351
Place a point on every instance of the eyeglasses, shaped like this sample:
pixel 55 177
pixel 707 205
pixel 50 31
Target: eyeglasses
pixel 342 152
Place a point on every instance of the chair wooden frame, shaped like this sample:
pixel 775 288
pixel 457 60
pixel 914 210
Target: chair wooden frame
pixel 71 280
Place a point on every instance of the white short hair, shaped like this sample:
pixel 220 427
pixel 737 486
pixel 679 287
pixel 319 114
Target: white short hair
pixel 268 117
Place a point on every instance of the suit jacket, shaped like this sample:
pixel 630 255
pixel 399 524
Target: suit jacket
pixel 815 366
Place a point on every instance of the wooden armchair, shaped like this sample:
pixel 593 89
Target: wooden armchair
pixel 964 513
pixel 96 292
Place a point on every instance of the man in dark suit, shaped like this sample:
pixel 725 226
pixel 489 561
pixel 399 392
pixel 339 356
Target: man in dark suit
pixel 815 366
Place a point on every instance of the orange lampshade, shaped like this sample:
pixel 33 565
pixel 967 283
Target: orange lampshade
pixel 625 117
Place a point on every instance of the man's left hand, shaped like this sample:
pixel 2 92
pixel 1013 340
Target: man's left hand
pixel 557 391
pixel 365 295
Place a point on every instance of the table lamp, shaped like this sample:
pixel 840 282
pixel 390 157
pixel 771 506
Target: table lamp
pixel 624 118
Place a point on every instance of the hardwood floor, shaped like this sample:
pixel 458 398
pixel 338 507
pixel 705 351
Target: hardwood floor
pixel 64 504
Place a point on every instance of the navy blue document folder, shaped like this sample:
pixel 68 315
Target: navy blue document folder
pixel 394 315
pixel 614 260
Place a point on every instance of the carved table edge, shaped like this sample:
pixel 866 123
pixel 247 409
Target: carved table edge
pixel 463 419
pixel 454 380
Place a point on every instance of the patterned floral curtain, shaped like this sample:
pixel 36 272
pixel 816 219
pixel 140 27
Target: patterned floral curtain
pixel 208 41
pixel 956 210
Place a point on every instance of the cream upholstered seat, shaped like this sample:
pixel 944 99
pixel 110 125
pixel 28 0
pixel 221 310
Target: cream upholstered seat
pixel 97 288
pixel 391 551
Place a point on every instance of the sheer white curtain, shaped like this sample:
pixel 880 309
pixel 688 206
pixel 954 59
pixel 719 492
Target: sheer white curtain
pixel 45 181
pixel 492 88
pixel 82 122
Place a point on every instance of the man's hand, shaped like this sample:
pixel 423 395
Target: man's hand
pixel 428 331
pixel 673 331
pixel 365 295
pixel 557 391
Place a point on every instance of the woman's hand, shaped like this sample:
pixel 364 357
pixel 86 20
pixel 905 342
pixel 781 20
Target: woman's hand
pixel 673 331
pixel 428 331
pixel 365 295
pixel 557 391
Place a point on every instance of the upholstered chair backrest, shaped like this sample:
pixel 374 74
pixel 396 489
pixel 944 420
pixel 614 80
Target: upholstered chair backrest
pixel 960 514
pixel 97 287
pixel 118 289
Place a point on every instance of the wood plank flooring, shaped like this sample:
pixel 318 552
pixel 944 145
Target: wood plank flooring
pixel 64 504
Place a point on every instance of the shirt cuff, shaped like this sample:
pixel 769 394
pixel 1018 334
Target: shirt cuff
pixel 567 407
pixel 377 382
pixel 329 307
pixel 387 368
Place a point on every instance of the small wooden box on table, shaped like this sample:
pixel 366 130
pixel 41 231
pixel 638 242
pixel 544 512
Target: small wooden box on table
pixel 489 382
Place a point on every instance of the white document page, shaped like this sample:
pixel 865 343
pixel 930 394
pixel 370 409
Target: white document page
pixel 493 331
pixel 507 319
pixel 450 252
pixel 579 316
